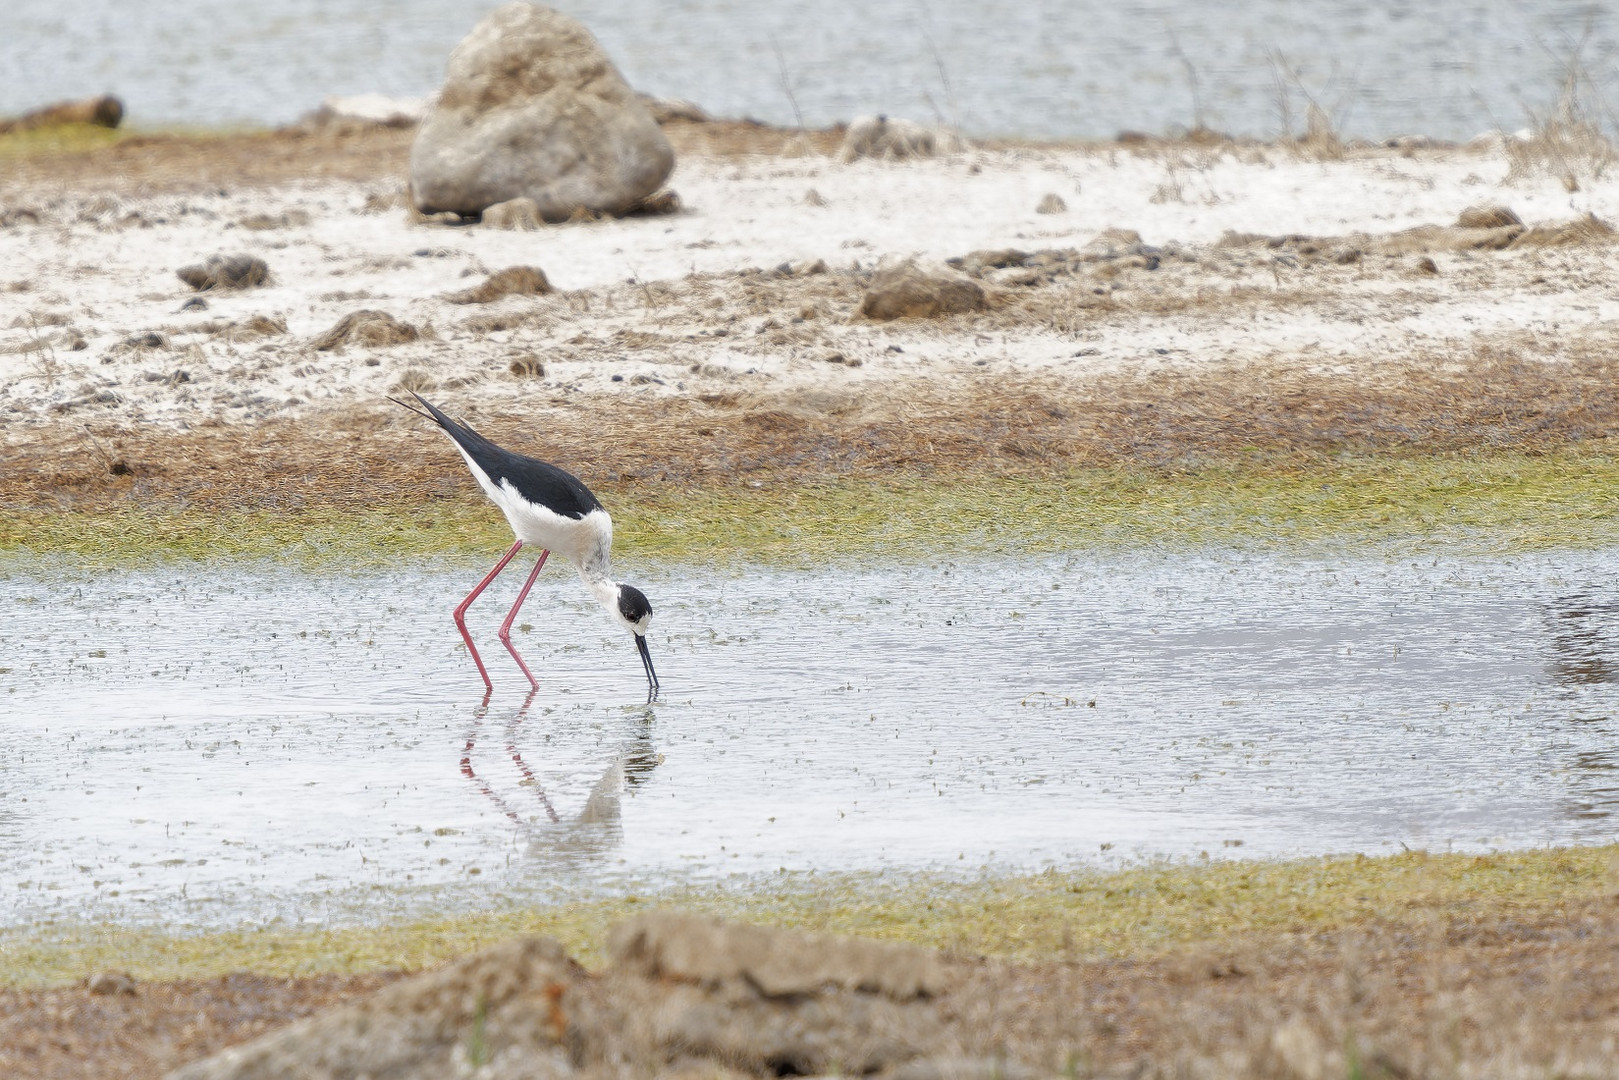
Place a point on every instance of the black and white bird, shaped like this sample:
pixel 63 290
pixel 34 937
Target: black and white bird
pixel 552 509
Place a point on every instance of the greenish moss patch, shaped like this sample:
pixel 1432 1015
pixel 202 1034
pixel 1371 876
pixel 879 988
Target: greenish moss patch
pixel 1495 502
pixel 1132 913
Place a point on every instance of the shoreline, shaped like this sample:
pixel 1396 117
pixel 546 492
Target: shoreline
pixel 1134 912
pixel 1412 960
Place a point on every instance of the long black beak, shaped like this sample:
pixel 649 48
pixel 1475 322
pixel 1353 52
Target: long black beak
pixel 646 662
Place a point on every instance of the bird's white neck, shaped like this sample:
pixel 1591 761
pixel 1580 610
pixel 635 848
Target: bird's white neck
pixel 601 586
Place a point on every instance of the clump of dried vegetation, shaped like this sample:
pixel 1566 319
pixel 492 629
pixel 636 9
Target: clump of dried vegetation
pixel 1569 140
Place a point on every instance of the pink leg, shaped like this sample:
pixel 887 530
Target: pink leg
pixel 461 610
pixel 511 617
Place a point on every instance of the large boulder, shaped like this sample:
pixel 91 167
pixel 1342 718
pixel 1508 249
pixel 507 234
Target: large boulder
pixel 683 996
pixel 532 108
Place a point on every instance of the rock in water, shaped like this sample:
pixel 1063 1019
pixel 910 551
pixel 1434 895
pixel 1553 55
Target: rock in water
pixel 532 108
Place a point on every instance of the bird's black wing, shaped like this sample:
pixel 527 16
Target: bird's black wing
pixel 537 481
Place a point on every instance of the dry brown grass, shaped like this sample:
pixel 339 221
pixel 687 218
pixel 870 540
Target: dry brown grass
pixel 1501 396
pixel 180 163
pixel 189 163
pixel 1448 996
pixel 1567 140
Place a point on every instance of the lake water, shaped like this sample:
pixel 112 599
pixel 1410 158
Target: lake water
pixel 210 746
pixel 1045 68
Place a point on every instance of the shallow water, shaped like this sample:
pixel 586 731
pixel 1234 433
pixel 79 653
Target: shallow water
pixel 1382 67
pixel 253 743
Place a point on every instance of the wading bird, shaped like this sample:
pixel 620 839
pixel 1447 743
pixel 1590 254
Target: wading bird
pixel 552 509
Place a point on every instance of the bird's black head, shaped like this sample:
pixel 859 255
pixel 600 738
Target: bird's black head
pixel 636 611
pixel 634 607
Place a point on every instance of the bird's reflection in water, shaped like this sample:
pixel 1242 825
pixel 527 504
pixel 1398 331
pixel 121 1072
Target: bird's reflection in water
pixel 1584 634
pixel 597 827
pixel 1597 792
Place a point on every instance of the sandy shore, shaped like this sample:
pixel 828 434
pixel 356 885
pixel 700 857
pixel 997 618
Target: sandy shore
pixel 1286 296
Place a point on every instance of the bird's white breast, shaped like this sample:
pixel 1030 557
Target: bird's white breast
pixel 587 541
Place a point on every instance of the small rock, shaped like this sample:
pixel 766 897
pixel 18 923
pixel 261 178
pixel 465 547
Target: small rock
pixel 226 272
pixel 149 340
pixel 264 222
pixel 1487 217
pixel 104 111
pixel 196 303
pixel 366 327
pixel 20 215
pixel 1051 204
pixel 769 962
pixel 512 281
pixel 907 291
pixel 107 983
pixel 1426 265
